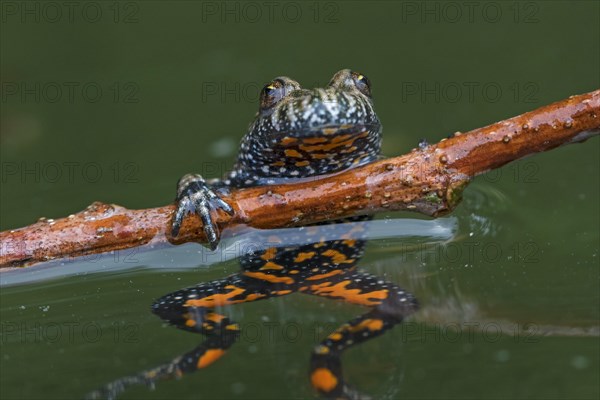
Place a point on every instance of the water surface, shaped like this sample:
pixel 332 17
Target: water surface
pixel 509 298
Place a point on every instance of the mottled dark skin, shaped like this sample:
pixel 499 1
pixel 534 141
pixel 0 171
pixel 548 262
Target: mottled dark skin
pixel 297 133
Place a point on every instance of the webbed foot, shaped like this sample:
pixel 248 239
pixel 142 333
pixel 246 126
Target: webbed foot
pixel 195 196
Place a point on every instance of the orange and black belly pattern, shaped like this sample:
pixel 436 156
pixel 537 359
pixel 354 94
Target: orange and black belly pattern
pixel 297 134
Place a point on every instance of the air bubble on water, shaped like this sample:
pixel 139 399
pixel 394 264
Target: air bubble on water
pixel 44 308
pixel 580 362
pixel 502 356
pixel 223 148
pixel 238 388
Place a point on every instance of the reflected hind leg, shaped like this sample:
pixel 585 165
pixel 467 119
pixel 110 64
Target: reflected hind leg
pixel 192 309
pixel 220 336
pixel 390 305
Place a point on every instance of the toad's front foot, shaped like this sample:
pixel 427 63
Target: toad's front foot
pixel 195 196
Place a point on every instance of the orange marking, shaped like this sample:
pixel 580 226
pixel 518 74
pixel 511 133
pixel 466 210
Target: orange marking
pixel 213 317
pixel 253 296
pixel 323 379
pixel 294 271
pixel 278 164
pixel 351 295
pixel 314 140
pixel 301 163
pixel 320 156
pixel 340 138
pixel 305 255
pixel 271 265
pixel 282 292
pixel 322 147
pixel 335 336
pixel 209 357
pixel 320 285
pixel 269 278
pixel 349 242
pixel 330 131
pixel 219 299
pixel 322 276
pixel 347 140
pixel 269 254
pixel 293 153
pixel 337 257
pixel 288 140
pixel 232 327
pixel 190 322
pixel 370 324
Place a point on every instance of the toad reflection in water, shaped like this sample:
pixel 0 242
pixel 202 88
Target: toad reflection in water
pixel 297 133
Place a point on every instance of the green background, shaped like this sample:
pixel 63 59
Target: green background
pixel 179 83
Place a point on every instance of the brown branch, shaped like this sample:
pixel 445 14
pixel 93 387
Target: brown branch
pixel 429 181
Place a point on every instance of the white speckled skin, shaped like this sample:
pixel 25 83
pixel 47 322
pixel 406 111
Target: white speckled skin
pixel 340 108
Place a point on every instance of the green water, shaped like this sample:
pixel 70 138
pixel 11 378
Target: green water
pixel 178 84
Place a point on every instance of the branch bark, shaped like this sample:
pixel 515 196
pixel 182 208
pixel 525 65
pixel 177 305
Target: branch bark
pixel 429 181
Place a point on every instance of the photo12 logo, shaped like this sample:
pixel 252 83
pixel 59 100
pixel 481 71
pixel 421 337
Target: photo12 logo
pixel 251 12
pixel 70 92
pixel 427 92
pixel 70 172
pixel 470 12
pixel 474 252
pixel 469 332
pixel 66 332
pixel 70 12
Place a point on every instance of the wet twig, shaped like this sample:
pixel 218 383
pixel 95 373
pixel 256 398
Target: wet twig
pixel 428 180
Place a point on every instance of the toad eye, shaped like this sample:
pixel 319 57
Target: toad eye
pixel 362 83
pixel 272 93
